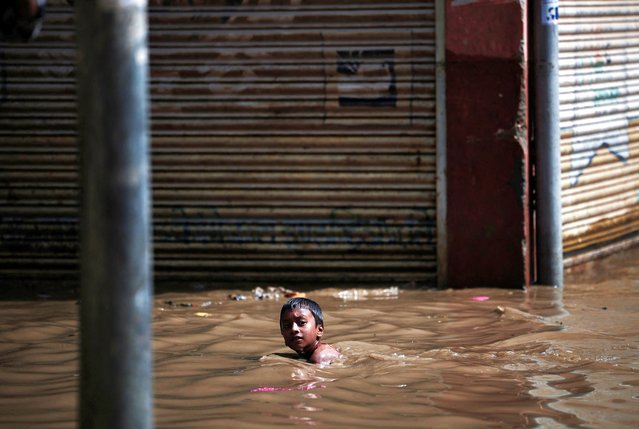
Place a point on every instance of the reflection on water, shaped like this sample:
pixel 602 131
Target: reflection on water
pixel 538 358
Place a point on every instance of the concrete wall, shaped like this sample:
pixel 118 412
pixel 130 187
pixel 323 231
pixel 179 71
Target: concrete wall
pixel 487 144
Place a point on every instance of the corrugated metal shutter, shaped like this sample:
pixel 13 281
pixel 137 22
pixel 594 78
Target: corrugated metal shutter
pixel 599 99
pixel 292 142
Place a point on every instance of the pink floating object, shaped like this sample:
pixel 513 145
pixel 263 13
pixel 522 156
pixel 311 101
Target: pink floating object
pixel 279 389
pixel 480 298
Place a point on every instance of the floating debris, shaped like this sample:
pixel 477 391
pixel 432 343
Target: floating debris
pixel 267 292
pixel 276 292
pixel 178 304
pixel 362 294
pixel 171 303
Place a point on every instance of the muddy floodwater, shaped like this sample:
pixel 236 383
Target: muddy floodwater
pixel 474 358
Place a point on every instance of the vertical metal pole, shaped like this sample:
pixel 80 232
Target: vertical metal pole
pixel 547 138
pixel 440 102
pixel 115 249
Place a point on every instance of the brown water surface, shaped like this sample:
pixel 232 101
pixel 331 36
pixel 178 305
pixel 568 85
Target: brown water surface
pixel 544 357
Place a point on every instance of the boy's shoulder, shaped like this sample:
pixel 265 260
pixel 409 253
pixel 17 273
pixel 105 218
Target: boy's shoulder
pixel 324 353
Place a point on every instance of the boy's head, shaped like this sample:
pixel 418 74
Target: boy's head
pixel 306 303
pixel 301 325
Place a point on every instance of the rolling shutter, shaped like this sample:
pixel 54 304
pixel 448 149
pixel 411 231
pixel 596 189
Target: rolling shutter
pixel 599 102
pixel 293 142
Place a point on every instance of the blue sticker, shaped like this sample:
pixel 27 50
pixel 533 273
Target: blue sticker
pixel 550 12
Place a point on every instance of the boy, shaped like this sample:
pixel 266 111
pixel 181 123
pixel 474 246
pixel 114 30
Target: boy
pixel 302 326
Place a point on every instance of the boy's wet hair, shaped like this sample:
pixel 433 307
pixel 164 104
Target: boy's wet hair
pixel 306 303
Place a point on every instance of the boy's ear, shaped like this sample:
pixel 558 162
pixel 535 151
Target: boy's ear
pixel 320 331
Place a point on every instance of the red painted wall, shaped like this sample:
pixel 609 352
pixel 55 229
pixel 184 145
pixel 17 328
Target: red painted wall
pixel 487 144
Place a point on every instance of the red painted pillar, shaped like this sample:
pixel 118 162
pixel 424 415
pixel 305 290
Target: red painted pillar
pixel 487 237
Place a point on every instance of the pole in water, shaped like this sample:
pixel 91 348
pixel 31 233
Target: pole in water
pixel 547 138
pixel 115 244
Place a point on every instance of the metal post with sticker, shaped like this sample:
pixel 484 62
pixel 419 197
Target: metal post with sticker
pixel 549 12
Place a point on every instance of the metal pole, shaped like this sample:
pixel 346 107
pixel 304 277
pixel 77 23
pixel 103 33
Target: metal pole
pixel 440 103
pixel 115 249
pixel 547 138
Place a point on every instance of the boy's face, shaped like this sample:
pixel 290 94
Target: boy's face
pixel 300 331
